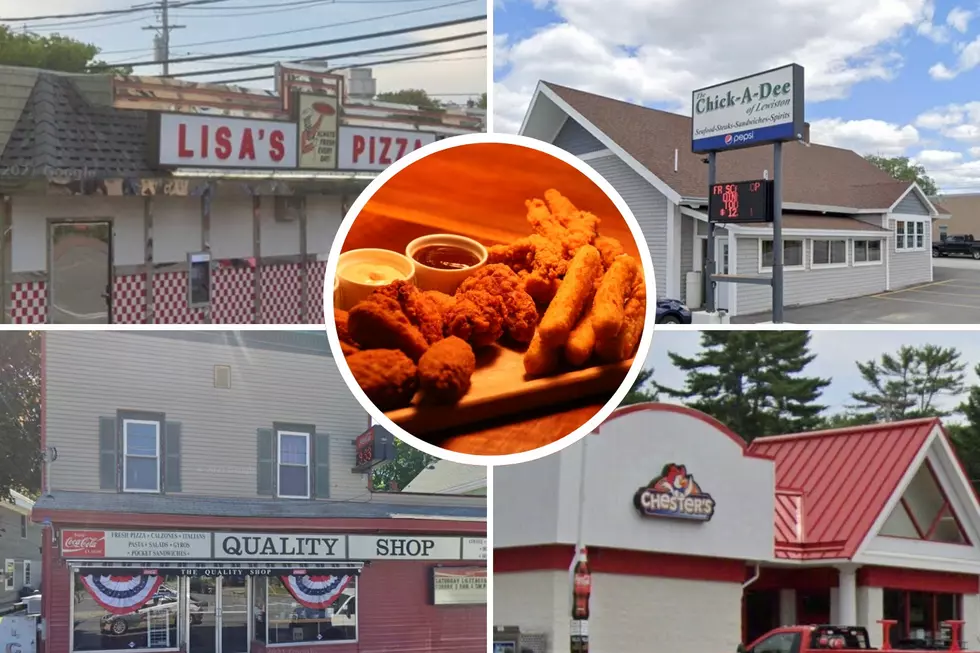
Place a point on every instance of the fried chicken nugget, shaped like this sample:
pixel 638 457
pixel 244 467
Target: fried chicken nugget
pixel 609 248
pixel 446 369
pixel 440 300
pixel 379 323
pixel 520 313
pixel 477 318
pixel 540 360
pixel 387 376
pixel 623 346
pixel 347 349
pixel 611 295
pixel 565 309
pixel 539 261
pixel 340 318
pixel 420 310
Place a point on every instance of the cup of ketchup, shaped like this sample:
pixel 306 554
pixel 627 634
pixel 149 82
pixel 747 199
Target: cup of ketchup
pixel 443 261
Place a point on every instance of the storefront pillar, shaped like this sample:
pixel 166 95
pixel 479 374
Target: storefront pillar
pixel 206 239
pixel 971 617
pixel 304 273
pixel 787 606
pixel 257 256
pixel 148 255
pixel 871 609
pixel 6 233
pixel 847 612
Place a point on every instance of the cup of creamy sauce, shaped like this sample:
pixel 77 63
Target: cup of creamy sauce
pixel 362 271
pixel 443 261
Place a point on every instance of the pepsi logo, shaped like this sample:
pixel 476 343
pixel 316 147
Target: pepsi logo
pixel 728 139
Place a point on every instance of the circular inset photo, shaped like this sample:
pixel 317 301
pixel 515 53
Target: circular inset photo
pixel 490 298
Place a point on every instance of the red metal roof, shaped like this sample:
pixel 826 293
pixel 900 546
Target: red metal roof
pixel 832 485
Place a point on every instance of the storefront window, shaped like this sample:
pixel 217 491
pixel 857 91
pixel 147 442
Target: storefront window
pixel 924 513
pixel 920 616
pixel 126 611
pixel 308 609
pixel 258 608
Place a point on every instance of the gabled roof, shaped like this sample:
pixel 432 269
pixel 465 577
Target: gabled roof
pixel 832 485
pixel 61 130
pixel 817 175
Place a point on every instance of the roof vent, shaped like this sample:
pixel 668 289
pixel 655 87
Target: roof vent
pixel 222 377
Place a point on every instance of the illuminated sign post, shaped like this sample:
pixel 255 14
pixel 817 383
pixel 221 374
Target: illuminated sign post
pixel 761 109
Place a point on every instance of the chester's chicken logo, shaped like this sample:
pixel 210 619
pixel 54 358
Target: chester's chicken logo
pixel 674 494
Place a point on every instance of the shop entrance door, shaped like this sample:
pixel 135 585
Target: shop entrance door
pixel 218 612
pixel 80 272
pixel 721 264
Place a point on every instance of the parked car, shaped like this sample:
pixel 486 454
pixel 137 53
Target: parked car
pixel 964 245
pixel 672 311
pixel 164 600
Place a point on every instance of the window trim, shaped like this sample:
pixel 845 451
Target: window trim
pixel 786 268
pixel 309 468
pixel 27 573
pixel 909 236
pixel 125 453
pixel 357 620
pixel 826 266
pixel 861 264
pixel 23 527
pixel 9 574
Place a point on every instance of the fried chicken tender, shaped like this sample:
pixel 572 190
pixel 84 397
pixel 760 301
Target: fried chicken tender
pixel 420 309
pixel 624 345
pixel 580 227
pixel 477 318
pixel 347 349
pixel 540 360
pixel 565 309
pixel 520 313
pixel 446 369
pixel 387 376
pixel 611 295
pixel 378 322
pixel 609 248
pixel 581 341
pixel 340 318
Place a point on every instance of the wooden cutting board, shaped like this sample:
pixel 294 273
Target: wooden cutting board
pixel 499 388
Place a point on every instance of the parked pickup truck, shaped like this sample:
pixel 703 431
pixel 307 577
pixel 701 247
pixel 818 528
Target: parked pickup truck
pixel 957 246
pixel 804 639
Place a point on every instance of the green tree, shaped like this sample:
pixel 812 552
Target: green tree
pixel 394 475
pixel 54 52
pixel 20 412
pixel 908 384
pixel 642 391
pixel 966 435
pixel 847 418
pixel 752 381
pixel 901 169
pixel 414 96
pixel 482 103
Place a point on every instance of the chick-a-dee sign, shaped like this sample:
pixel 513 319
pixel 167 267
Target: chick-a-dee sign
pixel 198 141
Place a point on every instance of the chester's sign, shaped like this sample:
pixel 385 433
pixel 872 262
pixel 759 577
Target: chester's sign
pixel 674 494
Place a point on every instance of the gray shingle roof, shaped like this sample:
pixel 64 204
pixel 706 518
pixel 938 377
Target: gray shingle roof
pixel 147 504
pixel 61 132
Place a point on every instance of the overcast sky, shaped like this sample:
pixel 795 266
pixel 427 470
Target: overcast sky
pixel 837 352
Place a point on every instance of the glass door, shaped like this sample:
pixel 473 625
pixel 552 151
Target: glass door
pixel 80 273
pixel 721 264
pixel 233 614
pixel 203 615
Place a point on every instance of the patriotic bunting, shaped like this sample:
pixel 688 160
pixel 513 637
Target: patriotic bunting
pixel 316 592
pixel 122 594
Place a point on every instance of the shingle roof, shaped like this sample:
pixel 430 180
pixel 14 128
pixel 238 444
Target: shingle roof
pixel 147 504
pixel 832 485
pixel 60 130
pixel 812 174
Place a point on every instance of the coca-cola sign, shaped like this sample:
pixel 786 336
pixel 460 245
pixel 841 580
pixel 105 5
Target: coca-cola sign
pixel 83 544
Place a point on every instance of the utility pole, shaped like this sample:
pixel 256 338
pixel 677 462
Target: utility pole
pixel 161 42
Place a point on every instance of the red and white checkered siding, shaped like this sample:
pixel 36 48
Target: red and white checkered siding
pixel 129 299
pixel 233 296
pixel 170 300
pixel 316 270
pixel 29 303
pixel 281 294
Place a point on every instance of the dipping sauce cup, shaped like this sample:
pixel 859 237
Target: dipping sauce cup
pixel 362 271
pixel 443 261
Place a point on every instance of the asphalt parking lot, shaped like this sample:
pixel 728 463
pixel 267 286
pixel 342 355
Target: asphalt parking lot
pixel 953 297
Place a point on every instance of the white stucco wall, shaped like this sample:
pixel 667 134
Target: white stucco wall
pixel 628 613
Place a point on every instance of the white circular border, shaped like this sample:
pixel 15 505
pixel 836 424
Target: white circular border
pixel 331 326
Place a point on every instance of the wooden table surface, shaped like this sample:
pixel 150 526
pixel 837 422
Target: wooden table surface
pixel 479 191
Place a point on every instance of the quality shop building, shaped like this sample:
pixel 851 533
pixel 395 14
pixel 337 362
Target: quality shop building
pixel 849 229
pixel 153 200
pixel 704 542
pixel 212 493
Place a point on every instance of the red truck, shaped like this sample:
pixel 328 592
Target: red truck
pixel 804 639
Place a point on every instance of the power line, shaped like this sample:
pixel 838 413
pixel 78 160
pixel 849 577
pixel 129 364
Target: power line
pixel 313 44
pixel 415 58
pixel 106 12
pixel 161 40
pixel 390 48
pixel 302 29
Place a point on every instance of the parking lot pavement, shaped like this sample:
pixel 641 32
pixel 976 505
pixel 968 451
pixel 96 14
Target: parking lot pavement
pixel 953 297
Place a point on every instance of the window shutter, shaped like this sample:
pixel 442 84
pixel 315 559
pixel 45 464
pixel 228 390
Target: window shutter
pixel 265 466
pixel 109 462
pixel 171 457
pixel 321 465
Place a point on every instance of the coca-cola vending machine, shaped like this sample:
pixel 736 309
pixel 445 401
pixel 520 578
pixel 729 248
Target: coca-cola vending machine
pixel 581 592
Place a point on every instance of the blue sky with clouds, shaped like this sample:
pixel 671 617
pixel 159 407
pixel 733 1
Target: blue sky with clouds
pixel 836 355
pixel 893 77
pixel 251 24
